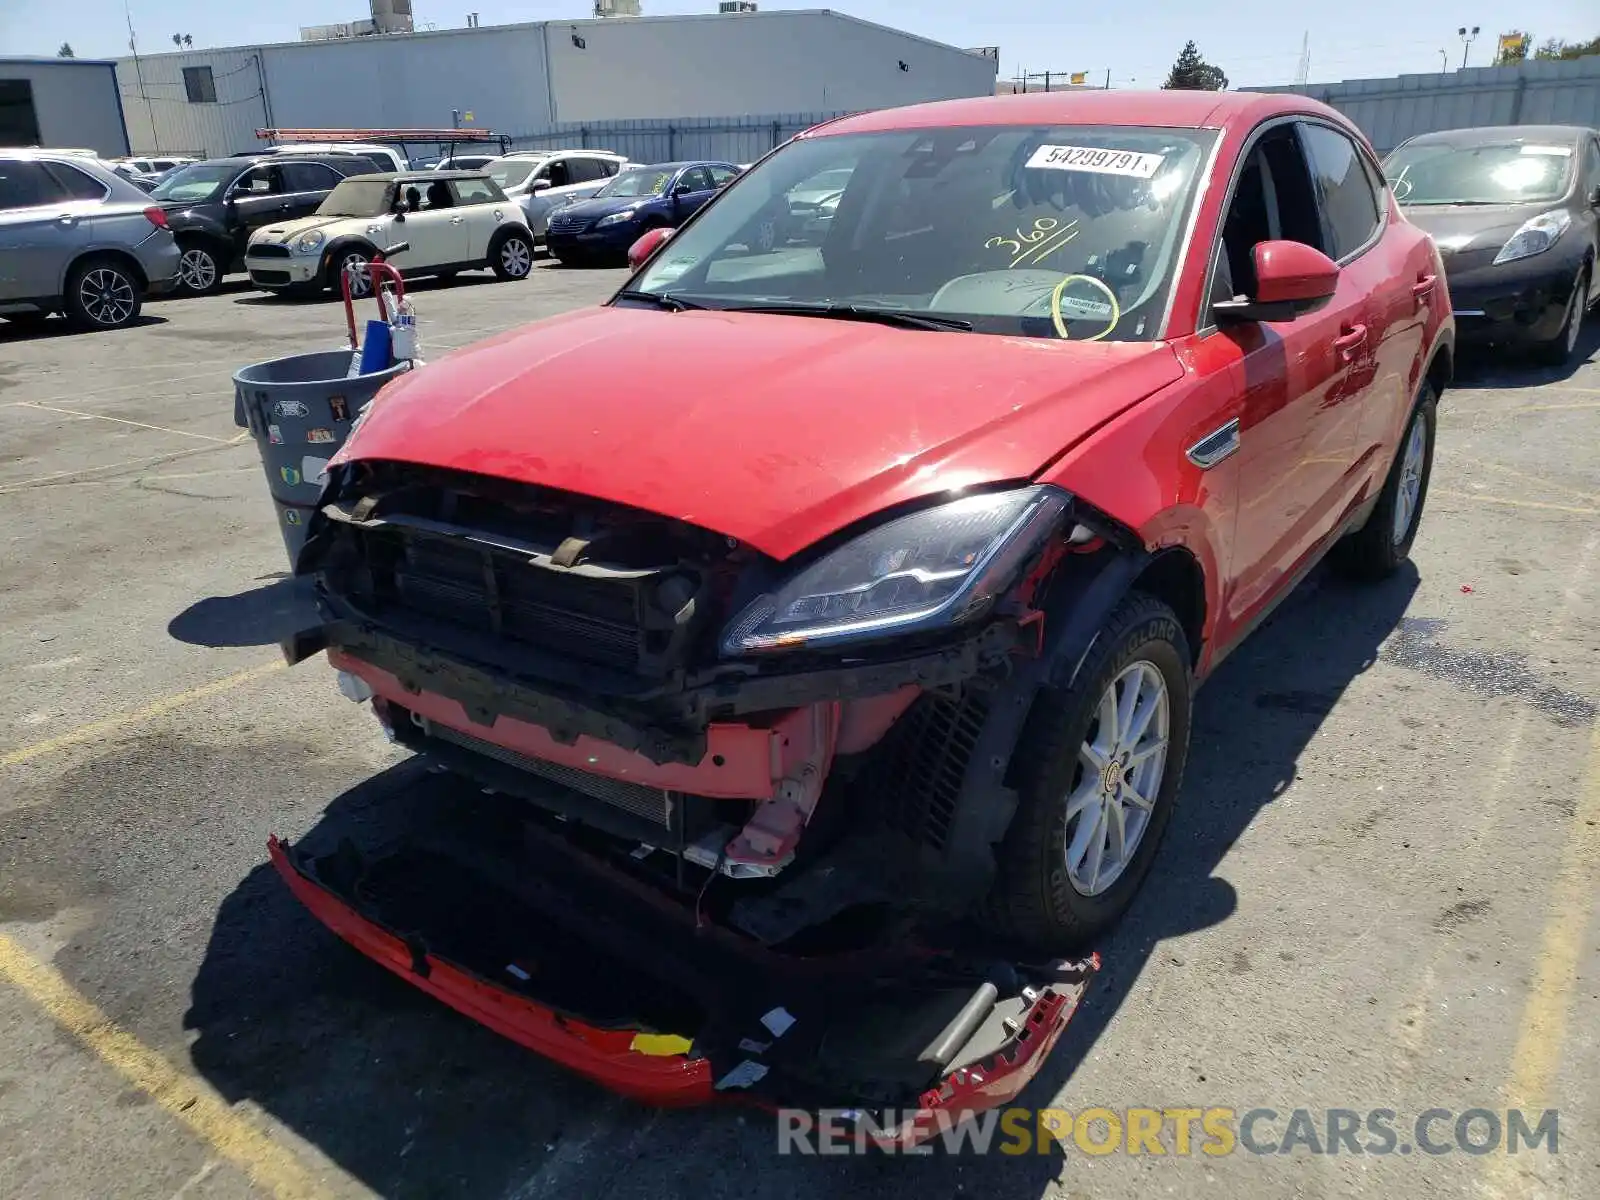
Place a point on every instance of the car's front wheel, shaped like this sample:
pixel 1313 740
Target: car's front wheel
pixel 102 293
pixel 1379 547
pixel 199 272
pixel 1558 351
pixel 511 256
pixel 354 261
pixel 1098 770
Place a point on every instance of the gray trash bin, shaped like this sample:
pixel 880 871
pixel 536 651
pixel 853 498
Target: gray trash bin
pixel 299 411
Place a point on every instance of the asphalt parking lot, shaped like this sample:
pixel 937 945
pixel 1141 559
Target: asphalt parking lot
pixel 1379 891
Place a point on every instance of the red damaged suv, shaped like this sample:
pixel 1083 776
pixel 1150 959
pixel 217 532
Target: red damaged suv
pixel 818 621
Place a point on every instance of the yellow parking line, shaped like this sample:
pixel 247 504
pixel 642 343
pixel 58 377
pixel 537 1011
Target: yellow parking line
pixel 1506 500
pixel 70 412
pixel 1542 1029
pixel 99 729
pixel 230 1133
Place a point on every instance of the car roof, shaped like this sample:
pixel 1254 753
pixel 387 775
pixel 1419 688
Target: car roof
pixel 422 176
pixel 679 165
pixel 1481 134
pixel 1177 109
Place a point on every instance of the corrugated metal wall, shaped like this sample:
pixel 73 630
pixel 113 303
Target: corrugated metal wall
pixel 1532 93
pixel 74 102
pixel 736 139
pixel 521 79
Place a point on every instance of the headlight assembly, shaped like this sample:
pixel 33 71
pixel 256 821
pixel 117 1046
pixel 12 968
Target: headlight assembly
pixel 616 218
pixel 308 242
pixel 927 571
pixel 1536 235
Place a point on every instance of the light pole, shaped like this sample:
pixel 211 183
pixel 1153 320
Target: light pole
pixel 1444 62
pixel 1466 42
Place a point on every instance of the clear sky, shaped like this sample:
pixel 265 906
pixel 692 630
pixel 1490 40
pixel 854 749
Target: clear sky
pixel 1253 41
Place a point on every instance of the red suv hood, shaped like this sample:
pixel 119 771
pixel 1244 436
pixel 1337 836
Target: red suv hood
pixel 776 430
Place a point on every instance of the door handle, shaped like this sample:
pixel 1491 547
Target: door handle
pixel 456 220
pixel 1423 286
pixel 66 219
pixel 1347 342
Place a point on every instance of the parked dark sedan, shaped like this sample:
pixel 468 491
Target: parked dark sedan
pixel 605 225
pixel 1514 211
pixel 214 206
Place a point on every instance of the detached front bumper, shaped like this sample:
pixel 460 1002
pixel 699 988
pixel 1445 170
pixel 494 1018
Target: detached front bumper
pixel 552 951
pixel 1518 303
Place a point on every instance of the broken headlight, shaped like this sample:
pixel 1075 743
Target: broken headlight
pixel 932 569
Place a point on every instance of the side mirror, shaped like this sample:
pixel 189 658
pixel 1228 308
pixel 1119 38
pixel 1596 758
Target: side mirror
pixel 399 214
pixel 539 185
pixel 647 245
pixel 1292 279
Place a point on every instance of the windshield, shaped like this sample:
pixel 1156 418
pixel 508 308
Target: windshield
pixel 196 182
pixel 637 183
pixel 510 172
pixel 1504 173
pixel 357 198
pixel 1070 231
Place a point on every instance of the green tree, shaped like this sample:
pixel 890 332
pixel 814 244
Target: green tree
pixel 1556 48
pixel 1193 73
pixel 65 51
pixel 1515 51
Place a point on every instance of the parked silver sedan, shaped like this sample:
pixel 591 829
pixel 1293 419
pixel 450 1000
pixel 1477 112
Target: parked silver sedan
pixel 76 238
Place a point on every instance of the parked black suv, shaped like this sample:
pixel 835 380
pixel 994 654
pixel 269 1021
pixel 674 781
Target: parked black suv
pixel 214 206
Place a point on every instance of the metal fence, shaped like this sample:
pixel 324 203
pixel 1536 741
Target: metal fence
pixel 1530 93
pixel 651 140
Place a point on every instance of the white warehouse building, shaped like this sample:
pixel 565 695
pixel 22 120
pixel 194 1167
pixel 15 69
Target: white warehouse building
pixel 531 80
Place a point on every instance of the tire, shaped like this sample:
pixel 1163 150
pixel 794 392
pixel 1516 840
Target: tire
pixel 1379 547
pixel 338 261
pixel 766 235
pixel 1039 896
pixel 103 293
pixel 511 255
pixel 1558 351
pixel 199 271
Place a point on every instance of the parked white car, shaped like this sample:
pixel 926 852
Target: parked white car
pixel 450 221
pixel 156 165
pixel 541 180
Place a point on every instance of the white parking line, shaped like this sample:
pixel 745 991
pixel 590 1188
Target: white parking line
pixel 68 412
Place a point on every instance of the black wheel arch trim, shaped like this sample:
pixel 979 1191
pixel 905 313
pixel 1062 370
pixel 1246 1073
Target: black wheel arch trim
pixel 124 259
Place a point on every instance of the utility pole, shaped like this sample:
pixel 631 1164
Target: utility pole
pixel 1303 72
pixel 138 71
pixel 1108 79
pixel 1466 42
pixel 1444 62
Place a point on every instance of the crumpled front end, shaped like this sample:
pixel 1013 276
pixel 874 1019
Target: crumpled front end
pixel 835 803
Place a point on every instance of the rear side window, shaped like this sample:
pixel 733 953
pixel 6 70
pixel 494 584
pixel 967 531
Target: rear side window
pixel 586 170
pixel 721 175
pixel 76 183
pixel 24 184
pixel 474 191
pixel 1349 204
pixel 308 177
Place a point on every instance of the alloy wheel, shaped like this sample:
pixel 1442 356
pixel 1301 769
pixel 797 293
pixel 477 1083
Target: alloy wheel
pixel 516 257
pixel 197 270
pixel 1580 306
pixel 107 296
pixel 355 266
pixel 1120 767
pixel 1410 488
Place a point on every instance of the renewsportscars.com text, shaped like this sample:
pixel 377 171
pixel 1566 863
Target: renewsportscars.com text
pixel 1177 1132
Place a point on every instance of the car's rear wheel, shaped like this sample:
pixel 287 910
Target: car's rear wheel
pixel 103 293
pixel 511 255
pixel 1098 771
pixel 1379 547
pixel 199 272
pixel 1559 350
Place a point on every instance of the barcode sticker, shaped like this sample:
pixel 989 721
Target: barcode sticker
pixel 1096 160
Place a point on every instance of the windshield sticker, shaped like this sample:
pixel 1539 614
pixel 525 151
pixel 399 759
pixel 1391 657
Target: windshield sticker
pixel 1047 236
pixel 1560 151
pixel 1096 161
pixel 1059 306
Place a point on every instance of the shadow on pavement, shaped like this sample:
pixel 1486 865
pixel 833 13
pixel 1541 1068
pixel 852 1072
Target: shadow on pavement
pixel 414 1100
pixel 38 328
pixel 1494 367
pixel 262 616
